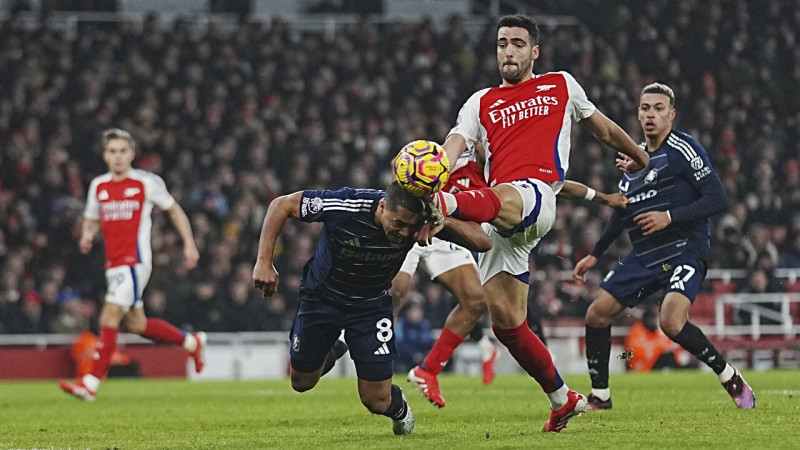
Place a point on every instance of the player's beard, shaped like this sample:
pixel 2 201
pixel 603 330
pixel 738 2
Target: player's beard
pixel 515 77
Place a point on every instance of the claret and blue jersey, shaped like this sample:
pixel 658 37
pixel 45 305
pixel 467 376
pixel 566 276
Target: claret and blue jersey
pixel 679 175
pixel 354 261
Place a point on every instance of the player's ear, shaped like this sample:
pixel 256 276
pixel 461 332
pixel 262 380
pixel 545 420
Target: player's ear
pixel 534 53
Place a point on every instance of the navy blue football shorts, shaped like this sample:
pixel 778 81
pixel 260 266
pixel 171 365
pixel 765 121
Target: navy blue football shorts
pixel 368 332
pixel 631 282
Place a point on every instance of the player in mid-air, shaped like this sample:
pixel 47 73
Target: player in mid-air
pixel 346 284
pixel 668 220
pixel 454 268
pixel 524 125
pixel 120 203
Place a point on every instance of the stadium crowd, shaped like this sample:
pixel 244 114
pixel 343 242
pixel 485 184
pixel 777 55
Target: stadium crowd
pixel 232 120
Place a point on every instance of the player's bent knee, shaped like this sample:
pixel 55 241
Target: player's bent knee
pixel 672 327
pixel 303 384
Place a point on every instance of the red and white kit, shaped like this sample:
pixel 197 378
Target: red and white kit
pixel 525 131
pixel 124 210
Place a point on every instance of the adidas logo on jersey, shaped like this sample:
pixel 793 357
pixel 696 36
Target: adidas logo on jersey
pixel 102 195
pixel 382 350
pixel 497 103
pixel 463 182
pixel 354 242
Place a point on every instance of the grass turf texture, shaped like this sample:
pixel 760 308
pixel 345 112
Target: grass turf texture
pixel 677 409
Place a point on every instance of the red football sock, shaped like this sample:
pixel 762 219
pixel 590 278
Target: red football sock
pixel 442 351
pixel 531 354
pixel 162 331
pixel 479 205
pixel 108 340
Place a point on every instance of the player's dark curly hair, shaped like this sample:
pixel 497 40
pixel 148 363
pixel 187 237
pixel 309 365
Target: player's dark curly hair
pixel 397 197
pixel 521 21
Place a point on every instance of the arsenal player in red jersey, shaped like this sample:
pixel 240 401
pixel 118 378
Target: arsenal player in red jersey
pixel 524 126
pixel 120 203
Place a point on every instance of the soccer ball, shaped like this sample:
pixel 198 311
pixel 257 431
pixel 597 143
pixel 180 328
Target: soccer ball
pixel 422 167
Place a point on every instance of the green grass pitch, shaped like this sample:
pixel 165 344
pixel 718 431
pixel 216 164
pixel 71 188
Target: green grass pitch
pixel 658 410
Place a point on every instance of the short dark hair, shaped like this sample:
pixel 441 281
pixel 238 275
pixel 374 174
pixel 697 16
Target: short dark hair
pixel 118 133
pixel 658 88
pixel 397 197
pixel 521 21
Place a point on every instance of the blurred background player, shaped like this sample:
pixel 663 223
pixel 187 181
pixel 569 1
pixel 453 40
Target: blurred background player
pixel 668 220
pixel 345 286
pixel 454 268
pixel 524 126
pixel 121 203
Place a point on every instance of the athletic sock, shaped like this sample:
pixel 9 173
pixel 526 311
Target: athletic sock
pixel 727 373
pixel 479 205
pixel 598 351
pixel 162 331
pixel 91 382
pixel 108 342
pixel 441 352
pixel 338 349
pixel 558 398
pixel 602 394
pixel 531 354
pixel 486 347
pixel 693 340
pixel 190 343
pixel 398 408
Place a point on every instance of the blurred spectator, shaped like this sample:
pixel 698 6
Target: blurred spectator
pixel 648 348
pixel 758 282
pixel 414 335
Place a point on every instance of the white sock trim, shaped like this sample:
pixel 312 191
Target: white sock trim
pixel 91 382
pixel 602 394
pixel 558 398
pixel 189 343
pixel 727 373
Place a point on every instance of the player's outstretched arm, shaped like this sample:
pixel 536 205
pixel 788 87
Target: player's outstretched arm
pixel 467 234
pixel 89 229
pixel 184 227
pixel 265 277
pixel 573 190
pixel 609 133
pixel 454 146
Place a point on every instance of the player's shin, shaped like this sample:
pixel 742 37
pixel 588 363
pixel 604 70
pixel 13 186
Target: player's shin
pixel 532 355
pixel 441 352
pixel 692 339
pixel 598 351
pixel 479 205
pixel 108 340
pixel 162 331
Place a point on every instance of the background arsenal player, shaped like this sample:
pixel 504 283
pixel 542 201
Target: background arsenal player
pixel 524 125
pixel 120 203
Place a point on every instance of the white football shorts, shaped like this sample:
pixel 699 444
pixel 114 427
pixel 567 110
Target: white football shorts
pixel 435 259
pixel 126 285
pixel 510 251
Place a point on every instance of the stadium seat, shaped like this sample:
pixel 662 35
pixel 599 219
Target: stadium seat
pixel 702 312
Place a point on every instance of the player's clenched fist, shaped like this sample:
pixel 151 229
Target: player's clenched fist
pixel 265 278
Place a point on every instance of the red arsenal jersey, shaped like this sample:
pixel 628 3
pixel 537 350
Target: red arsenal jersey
pixel 525 128
pixel 123 209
